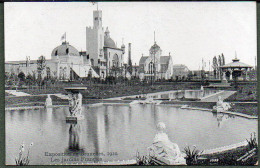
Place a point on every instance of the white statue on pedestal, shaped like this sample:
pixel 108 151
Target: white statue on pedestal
pixel 164 150
pixel 48 101
pixel 221 106
pixel 75 104
pixel 75 107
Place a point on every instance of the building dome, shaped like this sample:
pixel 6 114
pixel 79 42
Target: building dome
pixel 108 42
pixel 65 49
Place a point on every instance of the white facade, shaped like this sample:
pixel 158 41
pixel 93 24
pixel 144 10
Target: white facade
pixel 155 65
pixel 65 64
pixel 103 52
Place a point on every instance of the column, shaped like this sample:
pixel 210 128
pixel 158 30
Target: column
pixel 231 78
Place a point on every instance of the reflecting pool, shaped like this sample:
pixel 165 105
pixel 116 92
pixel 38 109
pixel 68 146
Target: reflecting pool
pixel 116 132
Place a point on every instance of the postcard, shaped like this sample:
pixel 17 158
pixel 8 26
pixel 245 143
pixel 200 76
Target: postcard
pixel 131 83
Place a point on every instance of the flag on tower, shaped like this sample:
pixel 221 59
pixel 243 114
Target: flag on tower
pixel 63 37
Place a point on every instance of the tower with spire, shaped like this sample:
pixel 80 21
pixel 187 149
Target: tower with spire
pixel 101 48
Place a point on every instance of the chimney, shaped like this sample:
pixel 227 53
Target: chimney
pixel 129 55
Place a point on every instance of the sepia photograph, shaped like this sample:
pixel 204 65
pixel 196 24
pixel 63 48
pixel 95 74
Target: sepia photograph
pixel 131 83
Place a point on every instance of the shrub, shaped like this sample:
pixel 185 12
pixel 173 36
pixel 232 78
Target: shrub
pixel 23 160
pixel 252 142
pixel 144 160
pixel 191 155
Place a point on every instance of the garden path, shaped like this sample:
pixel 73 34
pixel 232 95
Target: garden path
pixel 214 97
pixel 17 93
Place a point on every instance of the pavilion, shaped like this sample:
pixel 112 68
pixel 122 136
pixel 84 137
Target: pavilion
pixel 236 70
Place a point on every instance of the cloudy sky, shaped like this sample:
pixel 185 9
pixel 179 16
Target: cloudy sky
pixel 190 31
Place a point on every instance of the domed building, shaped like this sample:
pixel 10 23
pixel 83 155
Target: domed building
pixel 101 58
pixel 106 58
pixel 64 49
pixel 66 63
pixel 155 65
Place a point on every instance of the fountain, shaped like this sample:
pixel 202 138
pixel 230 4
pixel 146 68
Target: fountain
pixel 75 103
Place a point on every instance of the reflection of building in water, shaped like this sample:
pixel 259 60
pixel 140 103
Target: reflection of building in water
pixel 49 113
pixel 101 131
pixel 97 134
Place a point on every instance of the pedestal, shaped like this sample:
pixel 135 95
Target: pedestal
pixel 75 104
pixel 74 119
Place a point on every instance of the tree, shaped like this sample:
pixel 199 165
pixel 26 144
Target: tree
pixel 223 59
pixel 29 80
pixel 220 63
pixel 21 76
pixel 215 66
pixel 41 64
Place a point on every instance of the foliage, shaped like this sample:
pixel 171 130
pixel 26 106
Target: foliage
pixel 144 160
pixel 23 160
pixel 252 142
pixel 223 59
pixel 191 155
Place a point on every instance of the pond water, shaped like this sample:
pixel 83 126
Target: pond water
pixel 116 132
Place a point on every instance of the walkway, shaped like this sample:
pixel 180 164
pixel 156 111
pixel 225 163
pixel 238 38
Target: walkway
pixel 17 93
pixel 61 96
pixel 224 148
pixel 144 94
pixel 214 97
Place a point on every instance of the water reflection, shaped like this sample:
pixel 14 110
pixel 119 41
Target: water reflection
pixel 74 139
pixel 121 129
pixel 222 118
pixel 49 113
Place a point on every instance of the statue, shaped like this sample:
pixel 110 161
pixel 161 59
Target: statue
pixel 75 103
pixel 221 106
pixel 164 150
pixel 75 106
pixel 224 79
pixel 48 101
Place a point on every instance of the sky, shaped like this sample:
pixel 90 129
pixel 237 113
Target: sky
pixel 189 31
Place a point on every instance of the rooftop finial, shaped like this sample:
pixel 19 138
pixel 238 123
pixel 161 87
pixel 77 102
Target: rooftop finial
pixel 235 54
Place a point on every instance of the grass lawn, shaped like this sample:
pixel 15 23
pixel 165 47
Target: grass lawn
pixel 246 92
